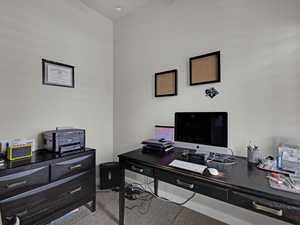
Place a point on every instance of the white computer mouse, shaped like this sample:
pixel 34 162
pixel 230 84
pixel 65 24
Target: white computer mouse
pixel 213 171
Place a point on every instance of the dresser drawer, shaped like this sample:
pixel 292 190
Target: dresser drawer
pixel 72 189
pixel 204 188
pixel 145 170
pixel 41 202
pixel 26 207
pixel 14 183
pixel 71 166
pixel 272 208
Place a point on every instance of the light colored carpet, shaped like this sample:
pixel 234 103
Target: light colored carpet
pixel 157 213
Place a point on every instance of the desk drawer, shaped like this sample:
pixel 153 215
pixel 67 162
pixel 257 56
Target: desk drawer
pixel 265 206
pixel 15 183
pixel 191 184
pixel 71 166
pixel 145 170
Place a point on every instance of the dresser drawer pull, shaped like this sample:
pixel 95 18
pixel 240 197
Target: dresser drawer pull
pixel 41 211
pixel 20 214
pixel 8 186
pixel 76 190
pixel 75 167
pixel 183 184
pixel 134 168
pixel 267 209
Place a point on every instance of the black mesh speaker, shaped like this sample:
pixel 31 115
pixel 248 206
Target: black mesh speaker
pixel 109 175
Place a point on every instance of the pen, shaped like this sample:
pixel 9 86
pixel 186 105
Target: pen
pixel 289 182
pixel 275 180
pixel 276 176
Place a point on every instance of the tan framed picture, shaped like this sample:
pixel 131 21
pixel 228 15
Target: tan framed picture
pixel 166 83
pixel 205 69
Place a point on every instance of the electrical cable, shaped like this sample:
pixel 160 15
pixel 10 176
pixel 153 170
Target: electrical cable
pixel 149 191
pixel 210 160
pixel 144 207
pixel 231 151
pixel 230 160
pixel 102 191
pixel 165 199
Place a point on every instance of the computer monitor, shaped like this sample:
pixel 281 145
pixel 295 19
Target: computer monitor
pixel 204 128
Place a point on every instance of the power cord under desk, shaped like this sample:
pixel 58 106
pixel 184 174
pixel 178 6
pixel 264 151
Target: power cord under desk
pixel 147 189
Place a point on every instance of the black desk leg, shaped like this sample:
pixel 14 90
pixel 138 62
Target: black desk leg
pixel 156 186
pixel 121 195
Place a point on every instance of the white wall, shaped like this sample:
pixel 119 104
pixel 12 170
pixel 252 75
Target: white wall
pixel 65 31
pixel 260 88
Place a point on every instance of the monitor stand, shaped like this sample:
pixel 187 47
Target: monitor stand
pixel 202 148
pixel 202 154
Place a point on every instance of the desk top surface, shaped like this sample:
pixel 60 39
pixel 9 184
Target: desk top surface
pixel 241 176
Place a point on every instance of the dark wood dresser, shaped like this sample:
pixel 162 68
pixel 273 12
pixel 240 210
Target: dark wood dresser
pixel 47 186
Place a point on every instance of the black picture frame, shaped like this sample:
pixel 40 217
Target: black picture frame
pixel 174 72
pixel 218 79
pixel 45 75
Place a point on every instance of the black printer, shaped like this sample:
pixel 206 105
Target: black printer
pixel 65 140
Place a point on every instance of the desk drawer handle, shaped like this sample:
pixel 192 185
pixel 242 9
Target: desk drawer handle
pixel 76 190
pixel 134 168
pixel 183 184
pixel 22 213
pixel 8 186
pixel 75 167
pixel 267 209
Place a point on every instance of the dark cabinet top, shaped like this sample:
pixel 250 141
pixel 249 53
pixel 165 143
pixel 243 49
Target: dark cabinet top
pixel 39 156
pixel 240 176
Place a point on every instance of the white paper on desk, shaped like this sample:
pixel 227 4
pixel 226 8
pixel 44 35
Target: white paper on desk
pixel 59 75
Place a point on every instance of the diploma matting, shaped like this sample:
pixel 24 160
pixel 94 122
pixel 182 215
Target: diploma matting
pixel 58 74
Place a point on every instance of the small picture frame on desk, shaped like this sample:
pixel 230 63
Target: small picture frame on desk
pixel 205 69
pixel 58 74
pixel 166 83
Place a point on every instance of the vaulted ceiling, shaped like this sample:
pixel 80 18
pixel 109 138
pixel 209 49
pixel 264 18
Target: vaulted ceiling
pixel 108 7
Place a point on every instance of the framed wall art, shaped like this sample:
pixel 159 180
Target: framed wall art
pixel 166 83
pixel 205 69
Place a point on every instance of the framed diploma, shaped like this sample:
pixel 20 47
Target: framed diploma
pixel 58 74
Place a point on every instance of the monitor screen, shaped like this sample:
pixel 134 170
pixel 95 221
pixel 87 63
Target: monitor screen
pixel 207 128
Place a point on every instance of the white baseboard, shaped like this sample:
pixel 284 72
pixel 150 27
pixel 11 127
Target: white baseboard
pixel 218 210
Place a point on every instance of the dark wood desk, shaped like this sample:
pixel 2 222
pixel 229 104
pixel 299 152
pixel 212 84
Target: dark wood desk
pixel 243 184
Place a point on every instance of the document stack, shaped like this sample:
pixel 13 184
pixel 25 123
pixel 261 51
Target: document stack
pixel 157 145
